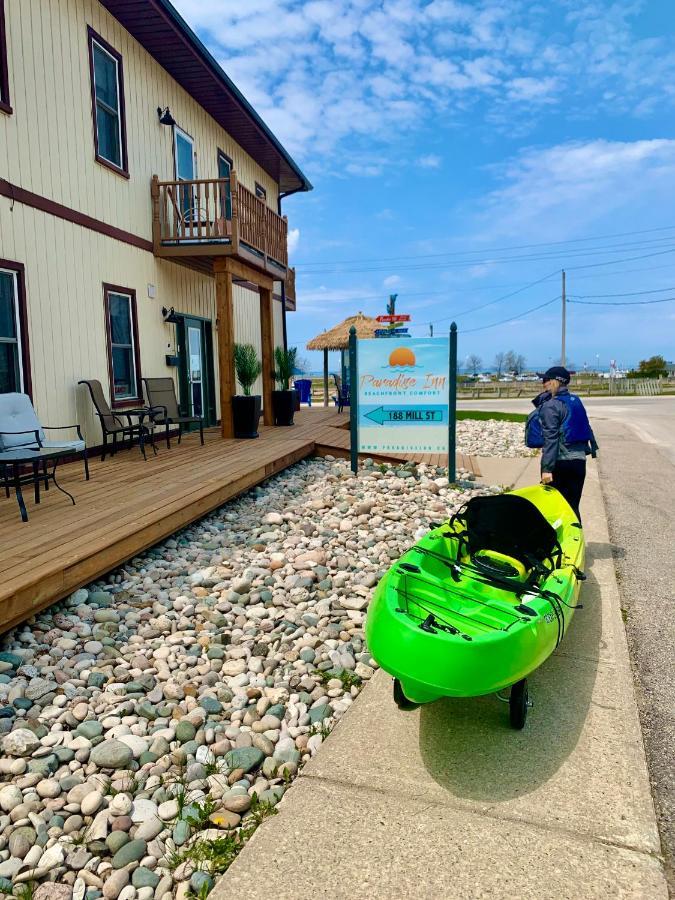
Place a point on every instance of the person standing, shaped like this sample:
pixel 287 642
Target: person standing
pixel 559 425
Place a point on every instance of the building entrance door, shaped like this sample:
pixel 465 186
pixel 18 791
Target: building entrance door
pixel 197 392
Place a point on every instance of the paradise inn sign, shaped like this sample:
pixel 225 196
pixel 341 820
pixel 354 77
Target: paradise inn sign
pixel 403 393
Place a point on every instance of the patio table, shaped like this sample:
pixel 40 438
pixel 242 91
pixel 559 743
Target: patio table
pixel 38 459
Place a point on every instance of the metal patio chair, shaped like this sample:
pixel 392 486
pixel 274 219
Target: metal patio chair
pixel 20 428
pixel 342 398
pixel 162 400
pixel 112 424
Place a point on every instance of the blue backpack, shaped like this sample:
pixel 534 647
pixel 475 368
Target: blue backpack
pixel 576 427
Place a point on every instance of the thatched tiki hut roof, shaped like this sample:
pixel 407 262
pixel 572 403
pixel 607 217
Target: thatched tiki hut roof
pixel 337 338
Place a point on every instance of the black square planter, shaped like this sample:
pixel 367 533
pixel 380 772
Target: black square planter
pixel 283 406
pixel 246 415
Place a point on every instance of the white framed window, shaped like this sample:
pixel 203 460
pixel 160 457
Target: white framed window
pixel 123 350
pixel 107 90
pixel 12 348
pixel 185 165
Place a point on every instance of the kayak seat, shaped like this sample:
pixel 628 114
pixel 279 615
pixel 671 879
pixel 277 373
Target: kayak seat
pixel 491 562
pixel 509 525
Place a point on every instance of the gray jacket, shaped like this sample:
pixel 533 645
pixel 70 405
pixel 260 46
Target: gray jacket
pixel 552 414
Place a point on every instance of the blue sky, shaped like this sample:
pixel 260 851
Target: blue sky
pixel 461 151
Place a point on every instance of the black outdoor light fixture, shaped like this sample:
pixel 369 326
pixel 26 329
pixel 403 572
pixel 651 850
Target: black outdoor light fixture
pixel 165 117
pixel 170 315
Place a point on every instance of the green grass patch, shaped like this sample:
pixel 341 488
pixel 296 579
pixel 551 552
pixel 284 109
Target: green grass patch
pixel 483 415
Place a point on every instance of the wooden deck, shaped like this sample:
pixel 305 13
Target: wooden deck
pixel 130 504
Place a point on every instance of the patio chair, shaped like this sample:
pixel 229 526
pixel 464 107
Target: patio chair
pixel 342 398
pixel 304 387
pixel 112 424
pixel 161 394
pixel 20 428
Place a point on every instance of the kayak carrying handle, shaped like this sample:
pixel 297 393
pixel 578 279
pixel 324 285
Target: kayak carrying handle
pixel 526 610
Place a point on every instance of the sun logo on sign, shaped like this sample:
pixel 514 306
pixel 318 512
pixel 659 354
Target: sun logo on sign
pixel 402 357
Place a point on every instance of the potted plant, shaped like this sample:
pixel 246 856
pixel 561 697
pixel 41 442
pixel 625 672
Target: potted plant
pixel 283 400
pixel 246 409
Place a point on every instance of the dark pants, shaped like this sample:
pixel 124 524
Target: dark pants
pixel 568 478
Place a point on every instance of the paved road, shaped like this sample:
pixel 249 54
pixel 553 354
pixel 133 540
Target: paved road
pixel 637 470
pixel 651 418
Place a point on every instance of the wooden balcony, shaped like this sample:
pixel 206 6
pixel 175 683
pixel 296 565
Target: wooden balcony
pixel 198 222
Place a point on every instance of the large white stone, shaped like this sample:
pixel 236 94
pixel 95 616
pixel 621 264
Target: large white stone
pixel 20 742
pixel 136 744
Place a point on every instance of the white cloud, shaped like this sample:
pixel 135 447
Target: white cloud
pixel 552 192
pixel 365 170
pixel 430 161
pixel 532 89
pixel 293 240
pixel 331 75
pixel 391 281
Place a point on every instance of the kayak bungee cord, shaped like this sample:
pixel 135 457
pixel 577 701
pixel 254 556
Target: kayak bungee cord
pixel 480 576
pixel 421 604
pixel 507 609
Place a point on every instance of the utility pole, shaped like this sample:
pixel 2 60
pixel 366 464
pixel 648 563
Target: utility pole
pixel 564 316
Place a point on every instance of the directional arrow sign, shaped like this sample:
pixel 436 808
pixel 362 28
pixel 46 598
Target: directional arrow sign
pixel 399 318
pixel 410 415
pixel 391 332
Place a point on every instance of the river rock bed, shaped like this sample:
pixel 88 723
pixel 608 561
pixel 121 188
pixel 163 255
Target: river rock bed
pixel 150 721
pixel 492 437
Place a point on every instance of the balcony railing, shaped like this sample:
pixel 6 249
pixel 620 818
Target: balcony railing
pixel 216 216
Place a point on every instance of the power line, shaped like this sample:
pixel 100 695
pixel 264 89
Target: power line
pixel 506 249
pixel 512 318
pixel 626 294
pixel 623 302
pixel 623 271
pixel 472 309
pixel 503 260
pixel 611 262
pixel 464 289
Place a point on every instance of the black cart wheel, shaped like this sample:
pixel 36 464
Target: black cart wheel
pixel 400 698
pixel 518 703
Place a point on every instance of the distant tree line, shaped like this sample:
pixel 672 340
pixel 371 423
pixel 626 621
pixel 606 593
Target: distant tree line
pixel 653 367
pixel 508 362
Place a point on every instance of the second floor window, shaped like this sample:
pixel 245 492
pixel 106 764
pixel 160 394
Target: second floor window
pixel 107 87
pixel 260 191
pixel 4 72
pixel 122 344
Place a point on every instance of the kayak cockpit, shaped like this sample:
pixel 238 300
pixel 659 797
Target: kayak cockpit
pixel 481 574
pixel 480 601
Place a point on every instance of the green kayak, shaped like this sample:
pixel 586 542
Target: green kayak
pixel 481 601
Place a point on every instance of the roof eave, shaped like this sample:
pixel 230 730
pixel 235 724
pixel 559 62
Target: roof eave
pixel 291 178
pixel 172 12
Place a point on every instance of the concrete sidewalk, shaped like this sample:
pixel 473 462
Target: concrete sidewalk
pixel 512 472
pixel 448 801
